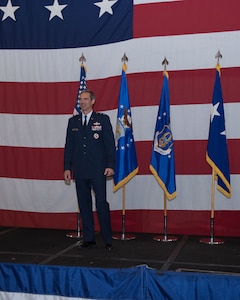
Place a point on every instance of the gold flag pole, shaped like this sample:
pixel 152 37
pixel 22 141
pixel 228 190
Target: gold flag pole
pixel 123 210
pixel 123 236
pixel 164 237
pixel 212 208
pixel 78 233
pixel 212 240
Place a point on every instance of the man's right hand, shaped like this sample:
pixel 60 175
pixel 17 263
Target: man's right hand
pixel 67 176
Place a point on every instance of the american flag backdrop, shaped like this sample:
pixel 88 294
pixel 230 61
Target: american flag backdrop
pixel 40 46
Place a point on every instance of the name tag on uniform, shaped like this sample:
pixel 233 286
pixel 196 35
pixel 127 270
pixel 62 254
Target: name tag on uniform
pixel 96 127
pixel 74 129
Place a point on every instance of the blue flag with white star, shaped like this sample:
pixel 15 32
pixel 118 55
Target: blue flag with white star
pixel 126 159
pixel 162 163
pixel 217 148
pixel 82 86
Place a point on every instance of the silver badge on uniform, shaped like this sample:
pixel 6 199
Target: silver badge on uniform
pixel 96 136
pixel 97 126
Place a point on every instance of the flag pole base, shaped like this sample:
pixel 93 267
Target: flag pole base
pixel 164 238
pixel 124 237
pixel 76 235
pixel 212 241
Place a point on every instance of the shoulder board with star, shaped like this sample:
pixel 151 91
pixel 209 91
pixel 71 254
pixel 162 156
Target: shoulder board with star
pixel 101 114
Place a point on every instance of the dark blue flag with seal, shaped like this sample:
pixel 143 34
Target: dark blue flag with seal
pixel 162 163
pixel 217 148
pixel 126 159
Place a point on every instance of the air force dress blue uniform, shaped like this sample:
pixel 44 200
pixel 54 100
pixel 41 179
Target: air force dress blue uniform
pixel 88 152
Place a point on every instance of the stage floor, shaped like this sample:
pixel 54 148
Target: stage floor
pixel 54 247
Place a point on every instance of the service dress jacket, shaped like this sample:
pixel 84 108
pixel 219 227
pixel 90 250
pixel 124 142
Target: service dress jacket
pixel 88 151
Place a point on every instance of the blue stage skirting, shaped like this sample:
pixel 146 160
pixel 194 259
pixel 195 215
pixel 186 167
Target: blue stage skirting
pixel 57 282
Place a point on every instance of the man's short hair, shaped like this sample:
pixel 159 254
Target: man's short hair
pixel 92 96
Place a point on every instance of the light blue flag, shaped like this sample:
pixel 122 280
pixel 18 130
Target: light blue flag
pixel 82 86
pixel 162 163
pixel 217 149
pixel 126 159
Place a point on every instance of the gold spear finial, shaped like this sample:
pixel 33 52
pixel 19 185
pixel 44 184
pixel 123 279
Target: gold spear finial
pixel 218 56
pixel 165 63
pixel 82 58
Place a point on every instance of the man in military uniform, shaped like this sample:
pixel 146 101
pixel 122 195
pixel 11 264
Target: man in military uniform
pixel 89 158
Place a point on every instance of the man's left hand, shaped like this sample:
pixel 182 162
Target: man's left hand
pixel 109 172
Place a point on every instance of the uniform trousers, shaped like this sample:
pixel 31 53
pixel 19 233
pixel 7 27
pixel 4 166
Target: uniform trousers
pixel 84 188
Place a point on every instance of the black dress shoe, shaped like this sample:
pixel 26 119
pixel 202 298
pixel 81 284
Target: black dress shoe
pixel 85 245
pixel 109 247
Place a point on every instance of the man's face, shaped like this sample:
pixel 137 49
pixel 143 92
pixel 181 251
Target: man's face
pixel 86 103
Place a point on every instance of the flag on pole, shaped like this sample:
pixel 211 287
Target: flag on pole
pixel 217 148
pixel 82 86
pixel 126 159
pixel 162 163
